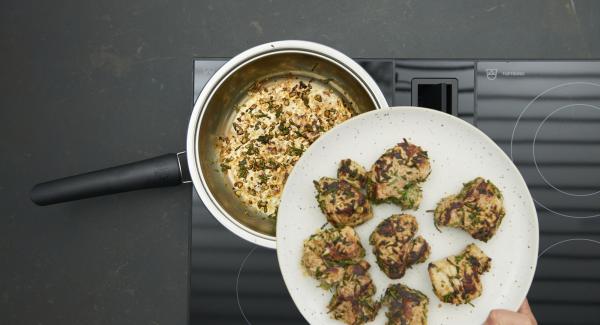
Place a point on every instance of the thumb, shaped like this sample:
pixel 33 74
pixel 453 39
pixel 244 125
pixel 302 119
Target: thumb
pixel 506 317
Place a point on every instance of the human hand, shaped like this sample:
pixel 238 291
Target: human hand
pixel 523 316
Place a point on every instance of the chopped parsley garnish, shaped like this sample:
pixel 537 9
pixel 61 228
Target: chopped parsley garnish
pixel 284 129
pixel 243 169
pixel 225 167
pixel 278 111
pixel 251 150
pixel 305 100
pixel 272 164
pixel 448 297
pixel 300 134
pixel 263 178
pixel 295 151
pixel 262 205
pixel 264 139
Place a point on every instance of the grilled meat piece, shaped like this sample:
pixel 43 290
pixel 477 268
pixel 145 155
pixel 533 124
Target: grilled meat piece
pixel 394 245
pixel 396 176
pixel 456 279
pixel 406 306
pixel 353 173
pixel 352 301
pixel 478 209
pixel 326 253
pixel 342 203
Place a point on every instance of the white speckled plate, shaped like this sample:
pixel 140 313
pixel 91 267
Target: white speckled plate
pixel 458 152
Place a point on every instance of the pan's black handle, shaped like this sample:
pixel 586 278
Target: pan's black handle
pixel 166 170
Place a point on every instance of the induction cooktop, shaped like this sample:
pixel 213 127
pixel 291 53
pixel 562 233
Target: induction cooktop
pixel 544 114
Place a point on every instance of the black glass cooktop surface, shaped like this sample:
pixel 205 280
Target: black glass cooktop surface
pixel 544 114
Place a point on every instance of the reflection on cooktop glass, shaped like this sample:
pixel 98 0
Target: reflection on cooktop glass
pixel 545 115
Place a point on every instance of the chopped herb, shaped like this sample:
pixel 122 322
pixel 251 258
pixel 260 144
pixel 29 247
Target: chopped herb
pixel 263 178
pixel 295 151
pixel 284 129
pixel 262 205
pixel 278 111
pixel 272 164
pixel 448 297
pixel 251 150
pixel 305 100
pixel 318 273
pixel 264 138
pixel 242 169
pixel 300 134
pixel 330 188
pixel 473 217
pixel 321 204
pixel 348 193
pixel 345 262
pixel 324 286
pixel 270 103
pixel 259 164
pixel 225 167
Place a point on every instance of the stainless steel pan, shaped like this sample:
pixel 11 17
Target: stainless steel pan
pixel 211 118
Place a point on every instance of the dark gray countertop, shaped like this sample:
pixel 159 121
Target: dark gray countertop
pixel 90 85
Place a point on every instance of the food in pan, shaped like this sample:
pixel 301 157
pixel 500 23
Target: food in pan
pixel 342 203
pixel 396 176
pixel 352 301
pixel 456 279
pixel 478 209
pixel 353 173
pixel 326 253
pixel 273 126
pixel 406 306
pixel 395 246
